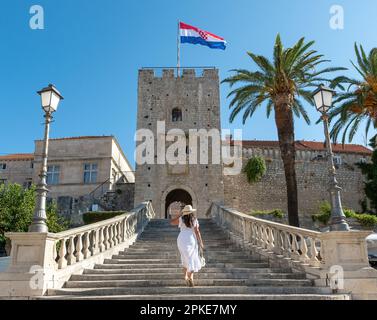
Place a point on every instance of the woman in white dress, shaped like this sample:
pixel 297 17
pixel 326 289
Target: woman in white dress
pixel 187 241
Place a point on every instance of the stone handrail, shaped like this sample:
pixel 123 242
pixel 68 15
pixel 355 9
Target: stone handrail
pixel 336 259
pixel 80 243
pixel 52 258
pixel 290 242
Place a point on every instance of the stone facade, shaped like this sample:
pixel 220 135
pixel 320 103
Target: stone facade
pixel 17 168
pixel 312 178
pixel 72 154
pixel 197 99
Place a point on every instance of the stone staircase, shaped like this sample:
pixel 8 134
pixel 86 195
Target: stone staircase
pixel 150 269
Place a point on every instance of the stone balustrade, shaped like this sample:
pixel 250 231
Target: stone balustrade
pixel 40 261
pixel 317 254
pixel 281 239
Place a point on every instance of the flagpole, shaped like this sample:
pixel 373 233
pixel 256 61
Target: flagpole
pixel 178 50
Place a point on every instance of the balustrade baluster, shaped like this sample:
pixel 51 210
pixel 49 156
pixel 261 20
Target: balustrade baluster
pixel 282 242
pixel 114 233
pixel 289 244
pixel 93 242
pixel 270 237
pixel 85 251
pixel 62 263
pixel 304 249
pixel 111 235
pixel 71 258
pixel 79 254
pixel 295 246
pixel 101 240
pixel 260 236
pixel 105 238
pixel 119 232
pixel 313 253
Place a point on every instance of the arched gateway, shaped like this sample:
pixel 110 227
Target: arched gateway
pixel 176 195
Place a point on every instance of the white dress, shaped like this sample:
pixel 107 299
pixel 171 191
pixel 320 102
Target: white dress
pixel 188 247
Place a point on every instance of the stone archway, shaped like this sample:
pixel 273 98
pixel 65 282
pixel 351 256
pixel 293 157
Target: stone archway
pixel 177 193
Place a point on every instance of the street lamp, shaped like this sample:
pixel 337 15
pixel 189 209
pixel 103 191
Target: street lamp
pixel 323 101
pixel 50 98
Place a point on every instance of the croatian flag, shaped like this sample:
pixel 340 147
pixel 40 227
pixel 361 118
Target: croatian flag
pixel 190 34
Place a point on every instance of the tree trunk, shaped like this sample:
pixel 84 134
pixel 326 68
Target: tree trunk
pixel 285 127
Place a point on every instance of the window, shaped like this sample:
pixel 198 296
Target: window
pixel 53 173
pixel 363 160
pixel 176 115
pixel 337 160
pixel 3 181
pixel 90 173
pixel 3 166
pixel 28 182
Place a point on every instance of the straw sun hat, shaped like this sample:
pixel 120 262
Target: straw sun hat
pixel 187 210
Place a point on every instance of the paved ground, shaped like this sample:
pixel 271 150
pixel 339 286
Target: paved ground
pixel 4 262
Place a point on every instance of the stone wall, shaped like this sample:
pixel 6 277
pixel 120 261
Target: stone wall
pixel 17 171
pixel 312 179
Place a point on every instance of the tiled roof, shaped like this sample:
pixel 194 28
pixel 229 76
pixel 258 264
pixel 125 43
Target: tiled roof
pixel 18 156
pixel 309 145
pixel 80 138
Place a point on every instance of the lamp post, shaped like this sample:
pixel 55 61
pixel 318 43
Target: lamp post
pixel 50 98
pixel 323 102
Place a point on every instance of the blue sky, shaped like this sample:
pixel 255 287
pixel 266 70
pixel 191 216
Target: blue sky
pixel 91 50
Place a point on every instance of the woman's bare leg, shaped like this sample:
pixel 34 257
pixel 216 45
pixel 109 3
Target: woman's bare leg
pixel 191 278
pixel 185 273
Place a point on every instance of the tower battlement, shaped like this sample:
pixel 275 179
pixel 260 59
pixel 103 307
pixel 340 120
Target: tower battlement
pixel 196 72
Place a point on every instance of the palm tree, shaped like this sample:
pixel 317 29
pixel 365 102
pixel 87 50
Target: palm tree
pixel 279 85
pixel 357 104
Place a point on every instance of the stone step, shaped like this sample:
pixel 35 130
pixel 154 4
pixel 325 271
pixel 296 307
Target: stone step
pixel 177 259
pixel 169 231
pixel 151 269
pixel 136 250
pixel 178 274
pixel 120 264
pixel 150 283
pixel 187 290
pixel 201 297
pixel 168 244
pixel 163 238
pixel 101 269
pixel 171 255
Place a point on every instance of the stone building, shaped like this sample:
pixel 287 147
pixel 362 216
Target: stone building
pixel 191 101
pixel 17 168
pixel 312 178
pixel 81 171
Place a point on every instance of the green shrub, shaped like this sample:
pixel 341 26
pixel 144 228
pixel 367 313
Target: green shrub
pixel 255 169
pixel 324 214
pixel 96 216
pixel 17 209
pixel 277 213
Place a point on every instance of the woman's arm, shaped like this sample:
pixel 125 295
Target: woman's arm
pixel 199 236
pixel 175 221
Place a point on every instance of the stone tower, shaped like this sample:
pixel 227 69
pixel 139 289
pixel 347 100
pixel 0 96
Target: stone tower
pixel 187 102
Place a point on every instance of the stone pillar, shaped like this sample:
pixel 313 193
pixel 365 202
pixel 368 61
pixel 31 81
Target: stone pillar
pixel 345 248
pixel 345 258
pixel 31 267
